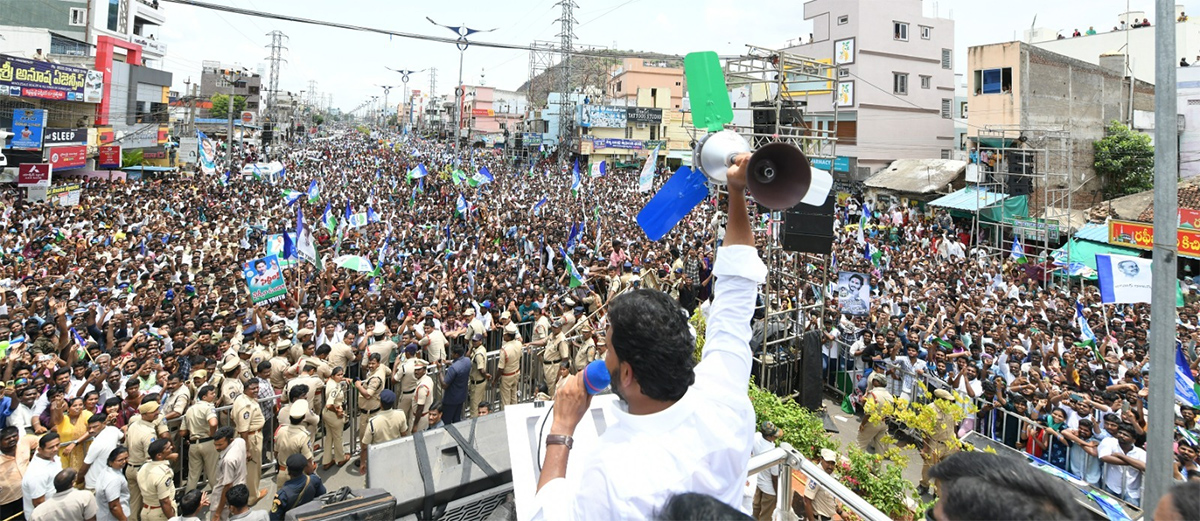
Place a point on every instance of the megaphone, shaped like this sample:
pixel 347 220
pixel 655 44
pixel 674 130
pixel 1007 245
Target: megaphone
pixel 778 174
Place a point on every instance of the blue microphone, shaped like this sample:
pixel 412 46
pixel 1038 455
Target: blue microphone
pixel 596 377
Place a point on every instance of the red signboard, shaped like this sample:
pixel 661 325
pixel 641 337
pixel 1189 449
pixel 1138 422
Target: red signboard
pixel 67 157
pixel 43 93
pixel 34 174
pixel 482 112
pixel 162 134
pixel 110 158
pixel 1189 218
pixel 1141 235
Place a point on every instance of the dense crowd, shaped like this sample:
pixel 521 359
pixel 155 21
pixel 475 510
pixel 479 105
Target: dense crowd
pixel 132 335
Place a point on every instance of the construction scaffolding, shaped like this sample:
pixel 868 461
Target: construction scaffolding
pixel 797 282
pixel 1025 192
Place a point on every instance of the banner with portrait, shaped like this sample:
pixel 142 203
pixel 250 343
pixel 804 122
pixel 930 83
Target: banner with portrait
pixel 265 280
pixel 1123 279
pixel 854 293
pixel 274 246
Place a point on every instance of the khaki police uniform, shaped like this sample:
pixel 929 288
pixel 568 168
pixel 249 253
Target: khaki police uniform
pixel 248 417
pixel 335 395
pixel 408 386
pixel 476 383
pixel 510 371
pixel 940 446
pixel 231 388
pixel 138 435
pixel 279 367
pixel 68 504
pixel 310 423
pixel 179 400
pixel 156 483
pixel 202 454
pixel 870 434
pixel 556 350
pixel 422 399
pixel 585 353
pixel 385 426
pixel 369 405
pixel 290 439
pixel 341 355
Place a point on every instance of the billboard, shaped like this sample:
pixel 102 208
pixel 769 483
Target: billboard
pixel 37 79
pixel 109 158
pixel 628 144
pixel 65 136
pixel 600 116
pixel 33 174
pixel 67 157
pixel 643 115
pixel 27 129
pixel 1141 236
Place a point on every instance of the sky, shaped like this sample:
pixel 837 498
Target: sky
pixel 351 64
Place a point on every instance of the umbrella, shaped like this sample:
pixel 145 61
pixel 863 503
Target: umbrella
pixel 354 262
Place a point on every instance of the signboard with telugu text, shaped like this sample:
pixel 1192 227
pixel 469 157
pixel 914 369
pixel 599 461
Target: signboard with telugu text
pixel 109 158
pixel 1141 236
pixel 23 77
pixel 34 174
pixel 67 157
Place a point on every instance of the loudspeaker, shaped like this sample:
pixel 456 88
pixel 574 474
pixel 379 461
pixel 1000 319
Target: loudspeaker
pixel 369 504
pixel 810 384
pixel 435 471
pixel 809 228
pixel 1019 185
pixel 791 114
pixel 778 175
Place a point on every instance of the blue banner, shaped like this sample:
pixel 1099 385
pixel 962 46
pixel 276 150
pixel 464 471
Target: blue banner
pixel 1185 385
pixel 629 144
pixel 27 129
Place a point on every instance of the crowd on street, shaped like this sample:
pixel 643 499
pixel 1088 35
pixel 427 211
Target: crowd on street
pixel 144 379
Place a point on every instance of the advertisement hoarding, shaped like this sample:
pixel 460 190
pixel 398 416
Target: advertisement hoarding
pixel 67 157
pixel 1141 236
pixel 38 79
pixel 628 144
pixel 600 116
pixel 34 174
pixel 109 158
pixel 643 115
pixel 65 136
pixel 27 129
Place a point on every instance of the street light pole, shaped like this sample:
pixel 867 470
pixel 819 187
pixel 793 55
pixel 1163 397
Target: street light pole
pixel 387 89
pixel 404 74
pixel 463 32
pixel 232 76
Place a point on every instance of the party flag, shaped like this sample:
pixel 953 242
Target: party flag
pixel 314 192
pixel 576 279
pixel 327 218
pixel 575 179
pixel 537 206
pixel 291 196
pixel 599 169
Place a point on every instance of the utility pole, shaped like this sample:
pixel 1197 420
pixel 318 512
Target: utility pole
pixel 463 32
pixel 1161 401
pixel 566 38
pixel 231 76
pixel 276 58
pixel 387 89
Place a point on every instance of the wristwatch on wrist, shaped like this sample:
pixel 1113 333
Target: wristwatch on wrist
pixel 560 439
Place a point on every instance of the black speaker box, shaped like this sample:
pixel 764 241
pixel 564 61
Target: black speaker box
pixel 810 384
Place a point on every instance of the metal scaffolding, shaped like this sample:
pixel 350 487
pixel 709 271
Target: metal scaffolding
pixel 772 74
pixel 1013 162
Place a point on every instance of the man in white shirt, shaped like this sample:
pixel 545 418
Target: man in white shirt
pixel 112 490
pixel 38 483
pixel 677 428
pixel 22 416
pixel 105 439
pixel 764 490
pixel 1119 452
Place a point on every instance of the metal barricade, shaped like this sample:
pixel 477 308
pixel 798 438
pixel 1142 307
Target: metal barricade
pixel 788 459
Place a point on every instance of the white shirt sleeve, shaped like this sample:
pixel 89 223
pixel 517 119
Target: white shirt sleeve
pixel 726 359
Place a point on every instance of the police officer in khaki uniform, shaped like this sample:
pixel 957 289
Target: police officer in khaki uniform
pixel 422 402
pixel 508 371
pixel 388 425
pixel 178 398
pixel 477 380
pixel 585 349
pixel 248 420
pixel 405 374
pixel 232 386
pixel 556 350
pixel 156 483
pixel 298 393
pixel 334 417
pixel 369 391
pixel 292 438
pixel 199 424
pixel 139 434
pixel 279 366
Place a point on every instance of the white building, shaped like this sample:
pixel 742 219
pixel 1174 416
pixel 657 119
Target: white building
pixel 895 84
pixel 1108 41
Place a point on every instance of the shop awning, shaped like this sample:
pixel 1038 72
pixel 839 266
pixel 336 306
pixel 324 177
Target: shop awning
pixel 1084 252
pixel 1093 232
pixel 140 168
pixel 969 199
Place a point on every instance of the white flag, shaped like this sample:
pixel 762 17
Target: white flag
pixel 646 180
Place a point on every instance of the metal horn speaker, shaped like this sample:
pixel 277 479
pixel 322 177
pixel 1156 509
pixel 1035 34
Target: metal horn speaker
pixel 778 176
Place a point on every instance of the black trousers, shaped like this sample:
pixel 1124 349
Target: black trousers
pixel 8 510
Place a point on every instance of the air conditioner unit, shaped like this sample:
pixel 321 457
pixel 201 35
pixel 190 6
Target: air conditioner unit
pixel 641 125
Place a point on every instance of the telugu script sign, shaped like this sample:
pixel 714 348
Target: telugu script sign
pixel 35 79
pixel 1141 236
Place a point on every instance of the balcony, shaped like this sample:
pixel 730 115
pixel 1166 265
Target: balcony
pixel 150 11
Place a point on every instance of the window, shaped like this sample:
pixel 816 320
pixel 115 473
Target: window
pixel 677 84
pixel 899 83
pixel 843 72
pixel 629 132
pixel 946 108
pixel 618 86
pixel 926 32
pixel 925 81
pixel 900 31
pixel 947 59
pixel 78 17
pixel 844 19
pixel 653 132
pixel 962 109
pixel 114 12
pixel 993 81
pixel 945 153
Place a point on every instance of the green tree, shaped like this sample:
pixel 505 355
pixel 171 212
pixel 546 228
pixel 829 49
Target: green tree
pixel 1124 160
pixel 220 106
pixel 133 157
pixel 318 119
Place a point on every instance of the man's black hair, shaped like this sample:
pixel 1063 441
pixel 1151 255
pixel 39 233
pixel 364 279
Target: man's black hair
pixel 237 496
pixel 1185 499
pixel 650 333
pixel 47 438
pixel 224 432
pixel 692 506
pixel 977 485
pixel 65 479
pixel 190 503
pixel 297 392
pixel 157 447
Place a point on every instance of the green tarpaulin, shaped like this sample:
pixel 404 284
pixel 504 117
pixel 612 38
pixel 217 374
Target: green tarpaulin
pixel 1085 252
pixel 1004 211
